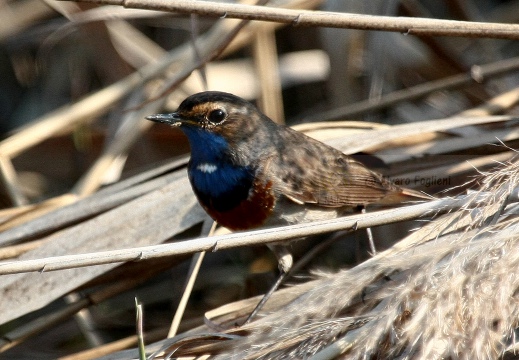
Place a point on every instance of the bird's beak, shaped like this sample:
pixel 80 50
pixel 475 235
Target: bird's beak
pixel 173 119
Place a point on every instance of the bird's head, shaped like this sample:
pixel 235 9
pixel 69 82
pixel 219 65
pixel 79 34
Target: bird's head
pixel 220 125
pixel 212 112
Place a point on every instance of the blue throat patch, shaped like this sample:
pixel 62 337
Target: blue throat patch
pixel 218 184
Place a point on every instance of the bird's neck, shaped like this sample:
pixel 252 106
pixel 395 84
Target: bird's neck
pixel 217 180
pixel 206 147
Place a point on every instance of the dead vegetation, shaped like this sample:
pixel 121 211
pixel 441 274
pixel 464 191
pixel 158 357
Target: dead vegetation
pixel 91 191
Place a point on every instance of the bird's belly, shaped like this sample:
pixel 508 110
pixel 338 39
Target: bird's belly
pixel 253 212
pixel 263 209
pixel 288 212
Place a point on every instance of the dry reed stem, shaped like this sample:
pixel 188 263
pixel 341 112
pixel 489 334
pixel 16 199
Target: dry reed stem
pixel 9 252
pixel 375 138
pixel 36 220
pixel 23 214
pixel 265 236
pixel 449 145
pixel 265 56
pixel 19 335
pixel 132 128
pixel 140 330
pixel 29 329
pixel 121 344
pixel 477 74
pixel 9 179
pixel 497 105
pixel 208 230
pixel 20 15
pixel 81 112
pixel 408 26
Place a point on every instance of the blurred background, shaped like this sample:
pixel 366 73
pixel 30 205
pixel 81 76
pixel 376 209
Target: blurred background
pixel 88 74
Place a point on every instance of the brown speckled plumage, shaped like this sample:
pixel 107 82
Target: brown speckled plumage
pixel 299 170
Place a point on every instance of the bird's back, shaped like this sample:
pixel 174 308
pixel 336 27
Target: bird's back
pixel 310 172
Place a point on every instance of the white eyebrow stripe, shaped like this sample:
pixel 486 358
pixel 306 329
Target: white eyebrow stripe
pixel 207 168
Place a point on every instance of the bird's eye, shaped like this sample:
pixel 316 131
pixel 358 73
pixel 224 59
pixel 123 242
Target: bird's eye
pixel 216 116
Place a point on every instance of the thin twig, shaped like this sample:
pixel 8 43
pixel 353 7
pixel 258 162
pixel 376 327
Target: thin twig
pixel 213 53
pixel 45 322
pixel 83 111
pixel 140 332
pixel 8 252
pixel 477 74
pixel 31 328
pixel 87 109
pixel 9 178
pixel 497 105
pixel 131 128
pixel 267 69
pixel 117 345
pixel 407 26
pixel 361 221
pixel 85 321
pixel 196 262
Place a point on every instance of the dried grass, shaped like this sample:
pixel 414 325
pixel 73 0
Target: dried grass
pixel 446 290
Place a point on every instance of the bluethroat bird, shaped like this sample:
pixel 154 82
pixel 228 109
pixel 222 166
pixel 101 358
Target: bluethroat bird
pixel 249 172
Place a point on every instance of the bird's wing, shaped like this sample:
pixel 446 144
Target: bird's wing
pixel 312 172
